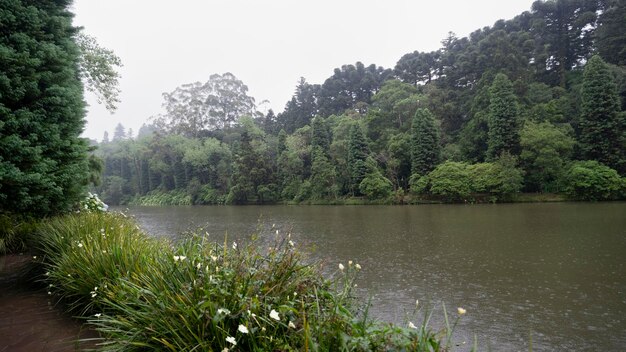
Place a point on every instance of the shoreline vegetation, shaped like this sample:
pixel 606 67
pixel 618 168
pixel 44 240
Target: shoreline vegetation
pixel 176 199
pixel 144 293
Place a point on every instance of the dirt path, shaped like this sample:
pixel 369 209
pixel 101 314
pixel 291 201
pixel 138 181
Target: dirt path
pixel 28 321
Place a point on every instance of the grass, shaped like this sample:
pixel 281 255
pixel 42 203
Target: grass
pixel 200 295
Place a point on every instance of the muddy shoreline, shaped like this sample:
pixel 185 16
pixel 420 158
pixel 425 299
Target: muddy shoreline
pixel 29 320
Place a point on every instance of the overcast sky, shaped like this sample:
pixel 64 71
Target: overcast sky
pixel 268 45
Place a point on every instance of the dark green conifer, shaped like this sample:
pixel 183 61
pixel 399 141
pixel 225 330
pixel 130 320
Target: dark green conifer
pixel 43 161
pixel 503 119
pixel 425 148
pixel 601 125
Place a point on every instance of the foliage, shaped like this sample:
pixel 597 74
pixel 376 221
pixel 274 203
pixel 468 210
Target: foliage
pixel 157 197
pixel 503 120
pixel 425 148
pixel 450 181
pixel 217 103
pixel 92 203
pixel 376 186
pixel 513 91
pixel 601 125
pixel 99 69
pixel 546 149
pixel 142 293
pixel 590 180
pixel 15 232
pixel 357 156
pixel 43 160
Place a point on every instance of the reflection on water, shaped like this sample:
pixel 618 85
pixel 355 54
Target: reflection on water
pixel 553 273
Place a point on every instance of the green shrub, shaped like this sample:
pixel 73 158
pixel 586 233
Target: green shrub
pixel 15 233
pixel 451 181
pixel 590 180
pixel 157 197
pixel 376 186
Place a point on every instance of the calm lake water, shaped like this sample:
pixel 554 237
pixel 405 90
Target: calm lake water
pixel 553 275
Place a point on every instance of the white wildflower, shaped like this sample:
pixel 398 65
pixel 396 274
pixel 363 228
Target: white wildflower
pixel 198 266
pixel 341 267
pixel 461 311
pixel 274 315
pixel 97 315
pixel 80 244
pixel 231 340
pixel 213 258
pixel 292 325
pixel 242 329
pixel 235 245
pixel 349 262
pixel 223 311
pixel 291 243
pixel 34 257
pixel 357 266
pixel 412 326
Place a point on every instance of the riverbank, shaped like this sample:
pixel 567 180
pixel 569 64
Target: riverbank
pixel 200 294
pixel 29 321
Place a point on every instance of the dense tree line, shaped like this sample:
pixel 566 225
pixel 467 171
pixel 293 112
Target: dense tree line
pixel 531 104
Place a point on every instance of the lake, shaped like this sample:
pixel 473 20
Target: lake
pixel 552 275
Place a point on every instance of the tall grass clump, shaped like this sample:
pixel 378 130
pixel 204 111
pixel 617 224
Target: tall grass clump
pixel 144 294
pixel 86 252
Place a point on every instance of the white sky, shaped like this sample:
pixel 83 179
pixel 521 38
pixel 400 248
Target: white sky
pixel 268 45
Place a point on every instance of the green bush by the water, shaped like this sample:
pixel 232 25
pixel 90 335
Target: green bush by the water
pixel 199 295
pixel 162 198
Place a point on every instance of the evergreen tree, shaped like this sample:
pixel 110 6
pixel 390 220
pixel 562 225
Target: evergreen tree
pixel 357 156
pixel 503 120
pixel 320 137
pixel 119 133
pixel 43 162
pixel 601 124
pixel 425 148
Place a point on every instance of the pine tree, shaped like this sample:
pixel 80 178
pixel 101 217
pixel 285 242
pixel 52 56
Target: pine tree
pixel 43 164
pixel 425 148
pixel 357 155
pixel 503 119
pixel 601 124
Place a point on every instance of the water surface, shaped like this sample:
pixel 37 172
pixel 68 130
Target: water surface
pixel 548 274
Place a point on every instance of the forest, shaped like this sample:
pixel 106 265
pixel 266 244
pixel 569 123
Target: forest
pixel 534 104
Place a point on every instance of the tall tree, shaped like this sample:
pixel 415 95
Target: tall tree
pixel 218 103
pixel 610 36
pixel 566 28
pixel 425 148
pixel 350 85
pixel 43 161
pixel 357 156
pixel 503 120
pixel 601 126
pixel 302 107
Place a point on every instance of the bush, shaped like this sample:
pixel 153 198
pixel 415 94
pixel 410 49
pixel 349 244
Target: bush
pixel 451 181
pixel 15 232
pixel 376 186
pixel 157 197
pixel 590 180
pixel 143 294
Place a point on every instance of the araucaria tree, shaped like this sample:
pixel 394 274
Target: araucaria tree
pixel 601 128
pixel 43 162
pixel 357 156
pixel 503 120
pixel 425 148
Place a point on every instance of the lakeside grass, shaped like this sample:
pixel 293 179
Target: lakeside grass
pixel 143 293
